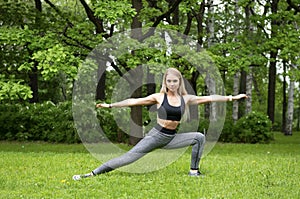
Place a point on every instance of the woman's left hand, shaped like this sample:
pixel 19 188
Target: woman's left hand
pixel 240 96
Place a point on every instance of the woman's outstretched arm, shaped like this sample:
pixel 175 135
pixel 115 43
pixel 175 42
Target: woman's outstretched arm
pixel 151 99
pixel 192 99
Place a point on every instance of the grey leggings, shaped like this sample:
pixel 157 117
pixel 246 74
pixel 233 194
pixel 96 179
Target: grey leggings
pixel 156 139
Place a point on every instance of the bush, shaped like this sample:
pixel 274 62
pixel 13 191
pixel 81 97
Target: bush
pixel 253 128
pixel 38 122
pixel 53 123
pixel 227 134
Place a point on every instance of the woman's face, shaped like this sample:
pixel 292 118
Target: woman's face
pixel 172 82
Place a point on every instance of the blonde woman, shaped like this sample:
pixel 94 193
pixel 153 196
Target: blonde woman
pixel 172 107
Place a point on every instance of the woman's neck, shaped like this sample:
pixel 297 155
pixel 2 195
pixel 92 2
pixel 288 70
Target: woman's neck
pixel 171 93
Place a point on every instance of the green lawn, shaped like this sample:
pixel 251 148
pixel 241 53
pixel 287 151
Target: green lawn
pixel 39 170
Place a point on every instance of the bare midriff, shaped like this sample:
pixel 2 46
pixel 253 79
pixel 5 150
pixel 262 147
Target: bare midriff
pixel 168 124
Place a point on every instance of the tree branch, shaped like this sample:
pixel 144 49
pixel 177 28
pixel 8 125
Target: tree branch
pixel 199 18
pixel 259 25
pixel 160 18
pixel 166 14
pixel 78 43
pixel 95 20
pixel 188 24
pixel 59 12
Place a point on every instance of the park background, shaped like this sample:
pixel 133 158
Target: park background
pixel 254 44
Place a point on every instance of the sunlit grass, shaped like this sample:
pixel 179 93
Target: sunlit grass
pixel 39 170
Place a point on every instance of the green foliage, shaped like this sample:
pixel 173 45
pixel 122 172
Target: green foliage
pixel 228 134
pixel 43 122
pixel 115 12
pixel 109 126
pixel 253 128
pixel 55 60
pixel 12 89
pixel 51 122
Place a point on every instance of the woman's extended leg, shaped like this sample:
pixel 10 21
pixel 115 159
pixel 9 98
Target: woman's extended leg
pixel 153 140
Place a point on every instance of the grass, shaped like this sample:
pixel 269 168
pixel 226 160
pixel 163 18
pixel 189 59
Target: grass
pixel 41 170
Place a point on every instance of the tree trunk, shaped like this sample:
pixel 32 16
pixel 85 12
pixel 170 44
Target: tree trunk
pixel 257 90
pixel 136 23
pixel 33 75
pixel 272 86
pixel 33 83
pixel 235 107
pixel 249 90
pixel 175 15
pixel 272 68
pixel 199 18
pixel 100 93
pixel 243 89
pixel 151 86
pixel 237 75
pixel 249 78
pixel 194 113
pixel 210 82
pixel 136 122
pixel 284 102
pixel 290 110
pixel 210 23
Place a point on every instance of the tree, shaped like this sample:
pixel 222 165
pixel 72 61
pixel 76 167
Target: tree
pixel 43 44
pixel 39 49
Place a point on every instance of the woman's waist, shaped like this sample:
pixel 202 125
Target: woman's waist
pixel 165 130
pixel 168 124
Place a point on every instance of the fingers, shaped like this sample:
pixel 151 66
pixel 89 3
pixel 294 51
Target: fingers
pixel 102 105
pixel 244 96
pixel 240 96
pixel 99 105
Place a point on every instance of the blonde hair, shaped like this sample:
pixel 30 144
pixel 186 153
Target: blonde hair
pixel 181 90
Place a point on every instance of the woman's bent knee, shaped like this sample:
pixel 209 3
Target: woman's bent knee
pixel 200 137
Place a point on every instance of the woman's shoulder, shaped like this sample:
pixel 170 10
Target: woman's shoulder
pixel 188 97
pixel 157 95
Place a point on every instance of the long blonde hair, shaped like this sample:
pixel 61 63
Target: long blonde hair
pixel 181 90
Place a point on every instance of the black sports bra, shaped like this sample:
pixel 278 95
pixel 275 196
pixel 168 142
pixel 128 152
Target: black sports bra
pixel 168 112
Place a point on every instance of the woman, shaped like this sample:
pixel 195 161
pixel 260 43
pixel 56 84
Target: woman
pixel 172 103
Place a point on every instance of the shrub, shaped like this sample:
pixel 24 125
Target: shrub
pixel 54 123
pixel 109 125
pixel 38 122
pixel 12 123
pixel 253 128
pixel 228 134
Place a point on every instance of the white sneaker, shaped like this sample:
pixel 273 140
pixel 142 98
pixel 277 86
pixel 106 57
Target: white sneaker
pixel 77 177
